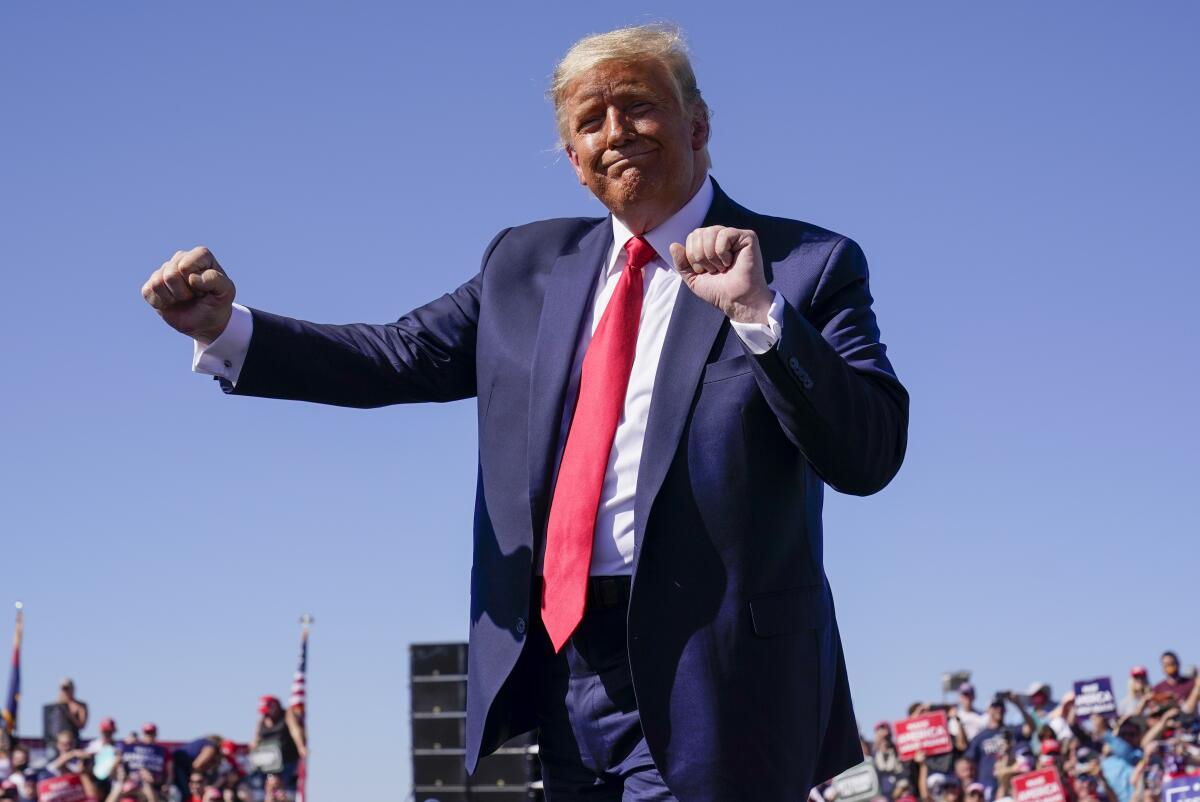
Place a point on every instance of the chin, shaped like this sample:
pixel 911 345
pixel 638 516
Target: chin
pixel 631 188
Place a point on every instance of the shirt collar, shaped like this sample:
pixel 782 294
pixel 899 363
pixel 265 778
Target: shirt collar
pixel 674 229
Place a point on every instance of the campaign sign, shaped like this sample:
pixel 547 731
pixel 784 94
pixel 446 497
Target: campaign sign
pixel 1038 786
pixel 151 757
pixel 1095 696
pixel 1181 789
pixel 927 733
pixel 67 788
pixel 857 784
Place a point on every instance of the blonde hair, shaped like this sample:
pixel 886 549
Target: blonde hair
pixel 659 42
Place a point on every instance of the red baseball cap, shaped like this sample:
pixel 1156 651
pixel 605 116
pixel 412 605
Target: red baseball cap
pixel 265 703
pixel 1051 747
pixel 1138 671
pixel 108 725
pixel 150 726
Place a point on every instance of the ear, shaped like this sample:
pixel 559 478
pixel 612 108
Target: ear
pixel 700 128
pixel 574 159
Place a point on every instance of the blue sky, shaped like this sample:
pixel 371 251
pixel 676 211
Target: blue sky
pixel 1023 177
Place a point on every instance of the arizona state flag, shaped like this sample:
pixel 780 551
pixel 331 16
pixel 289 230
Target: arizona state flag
pixel 14 681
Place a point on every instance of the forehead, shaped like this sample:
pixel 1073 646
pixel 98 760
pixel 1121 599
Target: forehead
pixel 610 79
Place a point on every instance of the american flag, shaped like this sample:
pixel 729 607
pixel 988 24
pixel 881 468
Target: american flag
pixel 296 703
pixel 296 700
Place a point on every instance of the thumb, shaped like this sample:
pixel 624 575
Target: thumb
pixel 211 282
pixel 679 257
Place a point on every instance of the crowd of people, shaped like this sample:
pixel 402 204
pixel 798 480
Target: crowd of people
pixel 1125 756
pixel 137 767
pixel 1152 737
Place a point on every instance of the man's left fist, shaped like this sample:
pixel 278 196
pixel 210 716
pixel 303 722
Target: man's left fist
pixel 724 266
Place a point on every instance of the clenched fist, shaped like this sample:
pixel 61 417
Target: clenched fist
pixel 724 266
pixel 192 294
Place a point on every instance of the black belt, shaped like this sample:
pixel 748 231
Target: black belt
pixel 603 592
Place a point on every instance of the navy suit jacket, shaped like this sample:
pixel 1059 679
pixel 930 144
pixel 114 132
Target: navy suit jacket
pixel 734 649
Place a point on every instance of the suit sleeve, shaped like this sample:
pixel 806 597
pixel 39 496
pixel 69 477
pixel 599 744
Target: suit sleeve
pixel 427 355
pixel 830 384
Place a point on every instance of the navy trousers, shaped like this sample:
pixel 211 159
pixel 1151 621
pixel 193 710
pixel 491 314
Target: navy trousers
pixel 590 740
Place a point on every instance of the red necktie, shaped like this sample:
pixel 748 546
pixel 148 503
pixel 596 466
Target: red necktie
pixel 576 499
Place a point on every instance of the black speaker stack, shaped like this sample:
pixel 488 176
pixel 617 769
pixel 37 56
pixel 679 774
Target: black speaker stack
pixel 438 674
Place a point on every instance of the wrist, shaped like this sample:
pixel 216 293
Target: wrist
pixel 209 335
pixel 753 310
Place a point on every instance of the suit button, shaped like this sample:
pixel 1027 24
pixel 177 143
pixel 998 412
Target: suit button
pixel 520 626
pixel 794 364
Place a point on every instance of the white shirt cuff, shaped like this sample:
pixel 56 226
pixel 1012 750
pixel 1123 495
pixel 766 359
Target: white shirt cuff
pixel 223 357
pixel 761 337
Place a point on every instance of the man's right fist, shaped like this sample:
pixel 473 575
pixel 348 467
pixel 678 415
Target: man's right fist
pixel 192 294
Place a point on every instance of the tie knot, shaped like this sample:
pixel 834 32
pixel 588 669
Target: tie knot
pixel 638 252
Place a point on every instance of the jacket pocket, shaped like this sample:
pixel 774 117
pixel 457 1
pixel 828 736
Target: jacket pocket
pixel 791 610
pixel 726 369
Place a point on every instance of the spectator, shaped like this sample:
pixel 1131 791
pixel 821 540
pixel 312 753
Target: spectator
pixel 1138 694
pixel 902 792
pixel 1038 695
pixel 105 753
pixel 273 789
pixel 972 720
pixel 195 787
pixel 68 758
pixel 278 741
pixel 77 710
pixel 993 741
pixel 888 765
pixel 1122 752
pixel 133 787
pixel 964 770
pixel 1174 682
pixel 21 778
pixel 943 788
pixel 201 756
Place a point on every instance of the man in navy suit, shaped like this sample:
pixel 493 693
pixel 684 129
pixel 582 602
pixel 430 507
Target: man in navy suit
pixel 662 395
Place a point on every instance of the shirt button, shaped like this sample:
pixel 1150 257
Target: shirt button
pixel 520 626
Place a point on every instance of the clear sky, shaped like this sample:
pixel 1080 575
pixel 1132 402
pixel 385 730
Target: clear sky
pixel 1023 176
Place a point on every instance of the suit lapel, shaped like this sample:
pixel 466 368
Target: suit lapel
pixel 564 307
pixel 690 336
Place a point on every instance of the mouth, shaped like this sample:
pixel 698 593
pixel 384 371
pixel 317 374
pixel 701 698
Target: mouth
pixel 626 160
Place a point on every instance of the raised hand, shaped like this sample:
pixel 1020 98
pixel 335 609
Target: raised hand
pixel 724 266
pixel 192 293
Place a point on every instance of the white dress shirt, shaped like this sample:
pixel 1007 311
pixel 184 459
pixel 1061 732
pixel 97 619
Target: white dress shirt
pixel 612 545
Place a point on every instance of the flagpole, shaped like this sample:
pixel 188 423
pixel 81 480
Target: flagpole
pixel 297 703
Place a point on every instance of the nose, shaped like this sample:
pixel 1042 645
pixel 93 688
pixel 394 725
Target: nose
pixel 616 127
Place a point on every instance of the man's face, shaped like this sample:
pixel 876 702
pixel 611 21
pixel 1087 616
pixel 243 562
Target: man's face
pixel 965 770
pixel 631 142
pixel 65 742
pixel 1170 665
pixel 995 715
pixel 196 784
